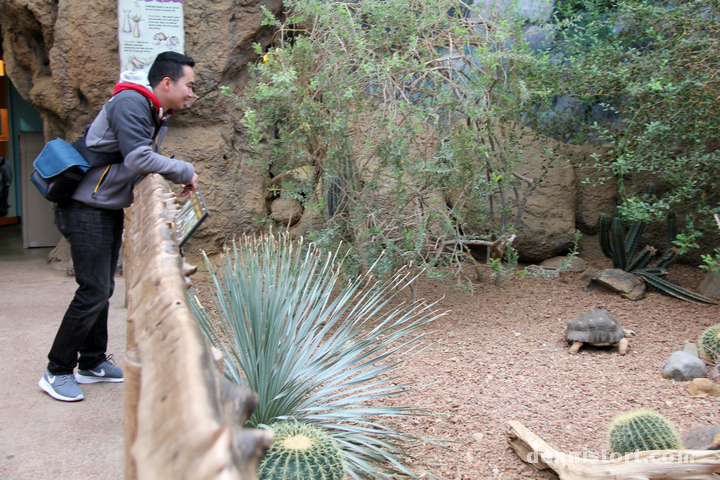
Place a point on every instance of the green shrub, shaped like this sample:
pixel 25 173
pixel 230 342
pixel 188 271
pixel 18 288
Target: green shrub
pixel 651 67
pixel 642 430
pixel 410 114
pixel 302 452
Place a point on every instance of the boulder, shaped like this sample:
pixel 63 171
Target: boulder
pixel 286 211
pixel 626 284
pixel 589 247
pixel 593 197
pixel 683 367
pixel 547 227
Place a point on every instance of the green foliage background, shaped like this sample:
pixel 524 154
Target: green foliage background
pixel 444 91
pixel 641 77
pixel 655 65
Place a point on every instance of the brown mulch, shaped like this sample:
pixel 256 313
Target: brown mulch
pixel 500 355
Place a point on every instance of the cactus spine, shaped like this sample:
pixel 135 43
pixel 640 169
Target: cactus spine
pixel 642 430
pixel 302 451
pixel 710 342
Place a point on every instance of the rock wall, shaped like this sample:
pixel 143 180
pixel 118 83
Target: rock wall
pixel 62 56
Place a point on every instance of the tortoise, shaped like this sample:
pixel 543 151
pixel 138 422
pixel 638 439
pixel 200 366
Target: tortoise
pixel 599 328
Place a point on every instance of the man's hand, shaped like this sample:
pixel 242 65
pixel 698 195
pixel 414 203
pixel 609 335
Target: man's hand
pixel 189 187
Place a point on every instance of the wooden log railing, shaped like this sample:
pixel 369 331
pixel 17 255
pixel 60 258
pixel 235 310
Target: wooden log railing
pixel 182 419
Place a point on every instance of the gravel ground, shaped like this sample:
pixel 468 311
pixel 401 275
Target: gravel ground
pixel 499 354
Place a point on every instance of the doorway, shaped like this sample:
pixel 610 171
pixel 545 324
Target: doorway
pixel 38 225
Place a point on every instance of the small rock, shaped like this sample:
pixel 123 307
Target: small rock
pixel 626 284
pixel 576 265
pixel 589 272
pixel 478 436
pixel 683 367
pixel 700 437
pixel 495 471
pixel 703 387
pixel 692 349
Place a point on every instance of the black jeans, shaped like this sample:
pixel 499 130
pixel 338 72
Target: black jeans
pixel 95 237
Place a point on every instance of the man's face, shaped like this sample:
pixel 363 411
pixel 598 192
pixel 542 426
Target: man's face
pixel 180 93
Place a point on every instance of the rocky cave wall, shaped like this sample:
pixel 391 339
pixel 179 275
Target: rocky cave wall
pixel 62 56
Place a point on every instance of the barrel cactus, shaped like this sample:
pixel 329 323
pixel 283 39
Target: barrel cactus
pixel 710 342
pixel 302 451
pixel 642 430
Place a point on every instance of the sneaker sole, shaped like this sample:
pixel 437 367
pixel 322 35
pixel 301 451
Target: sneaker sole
pixel 85 379
pixel 47 388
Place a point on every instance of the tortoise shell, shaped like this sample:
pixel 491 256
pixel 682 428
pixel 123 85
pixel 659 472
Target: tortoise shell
pixel 596 327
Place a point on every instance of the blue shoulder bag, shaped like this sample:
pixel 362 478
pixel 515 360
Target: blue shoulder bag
pixel 58 170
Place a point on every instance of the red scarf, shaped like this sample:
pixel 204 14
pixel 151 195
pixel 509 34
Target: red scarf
pixel 119 87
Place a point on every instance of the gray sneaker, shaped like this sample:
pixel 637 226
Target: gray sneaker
pixel 105 372
pixel 61 387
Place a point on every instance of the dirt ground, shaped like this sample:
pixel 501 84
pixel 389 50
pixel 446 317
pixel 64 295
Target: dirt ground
pixel 499 354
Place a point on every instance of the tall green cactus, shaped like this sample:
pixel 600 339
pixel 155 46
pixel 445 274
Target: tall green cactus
pixel 710 342
pixel 618 246
pixel 642 430
pixel 302 451
pixel 621 248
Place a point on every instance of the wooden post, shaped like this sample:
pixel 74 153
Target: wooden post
pixel 131 395
pixel 183 420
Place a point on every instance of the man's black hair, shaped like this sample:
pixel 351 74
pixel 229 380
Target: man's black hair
pixel 168 64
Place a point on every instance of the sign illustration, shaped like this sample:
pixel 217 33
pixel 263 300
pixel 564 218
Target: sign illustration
pixel 147 28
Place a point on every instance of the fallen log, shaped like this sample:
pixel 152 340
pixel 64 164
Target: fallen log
pixel 651 465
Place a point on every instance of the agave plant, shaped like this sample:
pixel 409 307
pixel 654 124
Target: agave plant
pixel 621 248
pixel 314 350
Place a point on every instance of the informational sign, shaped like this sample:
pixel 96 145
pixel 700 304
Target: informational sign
pixel 189 218
pixel 147 28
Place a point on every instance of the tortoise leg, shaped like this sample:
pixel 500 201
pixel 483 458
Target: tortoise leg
pixel 623 346
pixel 575 347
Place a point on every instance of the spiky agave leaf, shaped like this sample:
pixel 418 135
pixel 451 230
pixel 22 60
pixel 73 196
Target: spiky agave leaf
pixel 673 290
pixel 314 356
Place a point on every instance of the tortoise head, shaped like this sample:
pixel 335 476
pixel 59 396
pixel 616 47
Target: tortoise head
pixel 628 333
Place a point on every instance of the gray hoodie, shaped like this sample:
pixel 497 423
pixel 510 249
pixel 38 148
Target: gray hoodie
pixel 127 124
